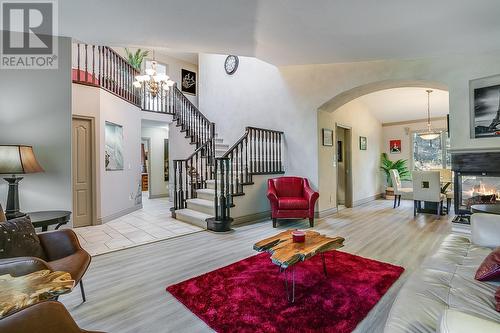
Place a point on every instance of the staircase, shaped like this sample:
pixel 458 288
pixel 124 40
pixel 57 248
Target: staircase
pixel 206 181
pixel 201 207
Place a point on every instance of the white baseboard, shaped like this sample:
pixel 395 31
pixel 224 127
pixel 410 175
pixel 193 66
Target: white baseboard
pixel 367 200
pixel 252 218
pixel 156 196
pixel 333 210
pixel 325 212
pixel 118 214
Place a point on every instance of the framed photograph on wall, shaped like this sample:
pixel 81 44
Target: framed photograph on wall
pixel 363 142
pixel 113 146
pixel 395 146
pixel 188 84
pixel 327 137
pixel 485 107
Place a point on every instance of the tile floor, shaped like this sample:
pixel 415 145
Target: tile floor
pixel 150 224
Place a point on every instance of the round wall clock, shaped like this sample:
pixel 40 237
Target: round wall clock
pixel 231 64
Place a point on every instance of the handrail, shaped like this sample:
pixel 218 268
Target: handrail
pixel 101 66
pixel 233 147
pixel 190 103
pixel 258 151
pixel 263 129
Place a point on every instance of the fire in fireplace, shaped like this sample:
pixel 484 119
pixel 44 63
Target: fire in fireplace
pixel 477 180
pixel 479 190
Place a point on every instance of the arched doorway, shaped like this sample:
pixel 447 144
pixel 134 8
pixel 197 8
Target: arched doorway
pixel 366 136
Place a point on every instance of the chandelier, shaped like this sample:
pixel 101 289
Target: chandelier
pixel 429 134
pixel 152 81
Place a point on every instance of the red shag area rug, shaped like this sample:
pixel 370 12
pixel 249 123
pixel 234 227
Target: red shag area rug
pixel 249 295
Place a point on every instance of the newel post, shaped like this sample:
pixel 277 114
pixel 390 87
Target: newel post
pixel 222 220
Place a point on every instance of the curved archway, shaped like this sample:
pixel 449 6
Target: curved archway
pixel 345 97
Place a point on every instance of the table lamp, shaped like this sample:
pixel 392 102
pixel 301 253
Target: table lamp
pixel 15 160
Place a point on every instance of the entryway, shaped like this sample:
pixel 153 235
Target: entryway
pixel 154 159
pixel 343 155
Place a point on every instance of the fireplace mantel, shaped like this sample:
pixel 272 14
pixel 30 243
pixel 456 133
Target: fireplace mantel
pixel 488 162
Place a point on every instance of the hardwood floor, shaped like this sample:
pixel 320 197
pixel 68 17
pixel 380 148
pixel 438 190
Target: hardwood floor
pixel 126 289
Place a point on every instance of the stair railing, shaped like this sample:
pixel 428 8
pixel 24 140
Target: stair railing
pixel 258 152
pixel 101 66
pixel 192 173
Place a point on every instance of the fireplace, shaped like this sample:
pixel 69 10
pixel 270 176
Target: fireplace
pixel 477 180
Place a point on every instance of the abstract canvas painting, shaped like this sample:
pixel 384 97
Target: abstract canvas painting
pixel 113 146
pixel 486 113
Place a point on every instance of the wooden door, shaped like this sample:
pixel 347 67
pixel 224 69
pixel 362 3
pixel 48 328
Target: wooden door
pixel 83 154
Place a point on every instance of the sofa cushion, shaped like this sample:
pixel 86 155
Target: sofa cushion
pixel 444 281
pixel 454 321
pixel 18 239
pixel 490 267
pixel 292 203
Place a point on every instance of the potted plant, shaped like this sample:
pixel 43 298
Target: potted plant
pixel 135 59
pixel 386 165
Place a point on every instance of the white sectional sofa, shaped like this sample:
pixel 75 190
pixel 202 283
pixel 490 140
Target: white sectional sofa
pixel 443 295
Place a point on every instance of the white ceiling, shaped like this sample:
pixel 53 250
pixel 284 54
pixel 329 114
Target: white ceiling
pixel 405 104
pixel 290 31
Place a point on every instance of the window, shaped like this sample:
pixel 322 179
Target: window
pixel 431 154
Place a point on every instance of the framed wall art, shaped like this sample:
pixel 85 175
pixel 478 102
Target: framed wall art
pixel 113 146
pixel 327 137
pixel 485 107
pixel 188 84
pixel 363 143
pixel 395 146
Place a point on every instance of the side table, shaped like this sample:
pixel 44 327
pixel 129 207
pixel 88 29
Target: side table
pixel 43 219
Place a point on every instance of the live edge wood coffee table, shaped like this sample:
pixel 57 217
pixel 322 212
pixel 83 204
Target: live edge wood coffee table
pixel 19 292
pixel 285 253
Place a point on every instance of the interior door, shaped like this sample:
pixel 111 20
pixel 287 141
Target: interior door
pixel 82 172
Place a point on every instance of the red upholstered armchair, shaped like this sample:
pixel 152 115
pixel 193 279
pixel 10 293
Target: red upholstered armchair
pixel 291 198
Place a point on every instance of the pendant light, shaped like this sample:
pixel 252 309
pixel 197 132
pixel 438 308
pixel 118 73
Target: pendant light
pixel 429 134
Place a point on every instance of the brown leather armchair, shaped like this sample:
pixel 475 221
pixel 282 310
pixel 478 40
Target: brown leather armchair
pixel 46 317
pixel 63 253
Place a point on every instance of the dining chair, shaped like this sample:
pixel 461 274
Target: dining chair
pixel 427 187
pixel 398 187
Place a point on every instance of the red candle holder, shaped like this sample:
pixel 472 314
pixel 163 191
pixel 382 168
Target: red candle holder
pixel 298 236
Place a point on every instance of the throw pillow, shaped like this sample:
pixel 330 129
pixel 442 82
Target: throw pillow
pixel 18 239
pixel 497 298
pixel 490 267
pixel 3 218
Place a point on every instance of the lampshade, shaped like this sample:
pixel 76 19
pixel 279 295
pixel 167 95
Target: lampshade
pixel 18 159
pixel 429 135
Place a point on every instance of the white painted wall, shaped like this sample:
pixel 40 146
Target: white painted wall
pixel 35 109
pixel 173 70
pixel 158 187
pixel 403 132
pixel 365 172
pixel 288 98
pixel 118 191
